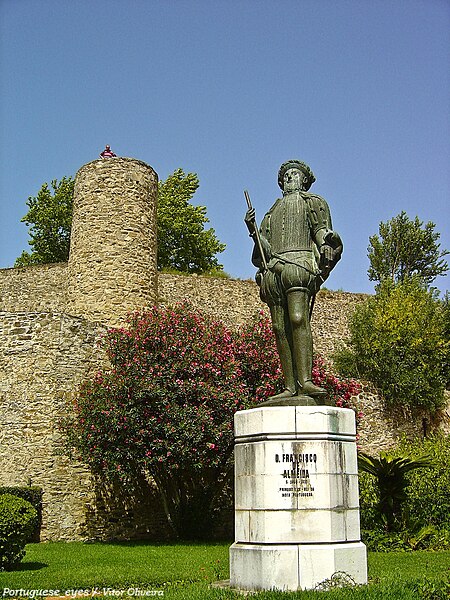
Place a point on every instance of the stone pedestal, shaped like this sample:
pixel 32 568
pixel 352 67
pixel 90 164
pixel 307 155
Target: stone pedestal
pixel 296 498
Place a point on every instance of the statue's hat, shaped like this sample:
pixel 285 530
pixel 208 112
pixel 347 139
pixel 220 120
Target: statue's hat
pixel 296 164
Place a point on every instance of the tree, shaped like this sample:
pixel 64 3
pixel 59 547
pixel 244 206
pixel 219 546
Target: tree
pixel 165 407
pixel 405 248
pixel 50 218
pixel 397 341
pixel 183 243
pixel 445 304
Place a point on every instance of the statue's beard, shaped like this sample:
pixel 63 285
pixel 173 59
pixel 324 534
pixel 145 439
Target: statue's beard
pixel 294 188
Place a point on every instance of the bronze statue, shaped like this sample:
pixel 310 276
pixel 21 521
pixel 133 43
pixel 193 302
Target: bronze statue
pixel 295 251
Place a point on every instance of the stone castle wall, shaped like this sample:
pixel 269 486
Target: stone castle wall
pixel 44 356
pixel 235 302
pixel 43 359
pixel 42 288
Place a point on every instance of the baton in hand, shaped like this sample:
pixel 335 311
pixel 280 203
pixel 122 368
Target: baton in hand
pixel 257 236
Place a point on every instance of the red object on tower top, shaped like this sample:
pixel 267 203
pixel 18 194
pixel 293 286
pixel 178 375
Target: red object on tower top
pixel 107 153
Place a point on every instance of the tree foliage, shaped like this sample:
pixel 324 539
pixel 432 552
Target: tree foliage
pixel 406 248
pixel 429 497
pixel 397 341
pixel 445 304
pixel 166 406
pixel 183 242
pixel 49 217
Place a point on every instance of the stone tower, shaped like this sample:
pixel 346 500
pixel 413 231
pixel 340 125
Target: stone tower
pixel 112 262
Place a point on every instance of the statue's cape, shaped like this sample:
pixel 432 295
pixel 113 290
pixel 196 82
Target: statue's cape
pixel 318 212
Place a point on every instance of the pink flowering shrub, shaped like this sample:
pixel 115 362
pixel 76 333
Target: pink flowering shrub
pixel 339 390
pixel 166 406
pixel 256 352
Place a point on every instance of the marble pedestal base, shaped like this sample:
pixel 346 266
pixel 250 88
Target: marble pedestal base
pixel 294 567
pixel 296 498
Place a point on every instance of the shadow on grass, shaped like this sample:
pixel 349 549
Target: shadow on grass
pixel 29 566
pixel 136 543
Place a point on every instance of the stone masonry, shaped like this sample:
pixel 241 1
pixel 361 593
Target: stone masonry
pixel 112 263
pixel 44 357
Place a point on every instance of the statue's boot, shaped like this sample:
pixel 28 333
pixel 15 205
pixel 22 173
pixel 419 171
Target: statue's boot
pixel 287 393
pixel 310 389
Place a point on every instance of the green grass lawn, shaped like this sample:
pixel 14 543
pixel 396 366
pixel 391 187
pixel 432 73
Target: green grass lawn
pixel 184 571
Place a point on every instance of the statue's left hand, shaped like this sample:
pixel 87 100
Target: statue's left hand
pixel 333 239
pixel 329 256
pixel 326 260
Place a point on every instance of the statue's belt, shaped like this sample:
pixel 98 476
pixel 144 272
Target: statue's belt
pixel 293 262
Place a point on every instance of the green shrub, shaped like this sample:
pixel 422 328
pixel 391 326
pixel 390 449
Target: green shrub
pixel 425 538
pixel 440 540
pixel 429 490
pixel 368 501
pixel 378 540
pixel 17 521
pixel 33 494
pixel 397 341
pixel 433 589
pixel 426 507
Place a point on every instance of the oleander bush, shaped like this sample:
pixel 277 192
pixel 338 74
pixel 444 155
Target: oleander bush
pixel 18 519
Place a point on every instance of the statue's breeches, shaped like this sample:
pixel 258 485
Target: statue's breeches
pixel 290 270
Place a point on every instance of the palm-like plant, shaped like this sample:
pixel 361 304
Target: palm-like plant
pixel 390 472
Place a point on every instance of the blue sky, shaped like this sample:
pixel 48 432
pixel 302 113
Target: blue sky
pixel 358 89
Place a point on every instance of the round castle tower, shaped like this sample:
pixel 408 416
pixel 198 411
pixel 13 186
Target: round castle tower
pixel 113 244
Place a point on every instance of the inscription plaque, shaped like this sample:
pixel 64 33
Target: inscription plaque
pixel 296 476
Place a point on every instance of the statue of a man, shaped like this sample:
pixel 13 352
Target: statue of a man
pixel 295 251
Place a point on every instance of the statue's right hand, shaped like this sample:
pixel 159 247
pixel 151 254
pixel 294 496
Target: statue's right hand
pixel 250 215
pixel 249 220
